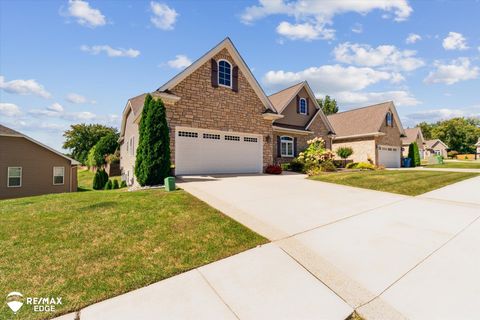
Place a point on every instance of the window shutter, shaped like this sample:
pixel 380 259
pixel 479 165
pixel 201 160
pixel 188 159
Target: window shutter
pixel 308 105
pixel 279 147
pixel 235 79
pixel 294 147
pixel 298 104
pixel 214 64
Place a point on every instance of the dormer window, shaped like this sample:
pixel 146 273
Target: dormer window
pixel 389 119
pixel 224 73
pixel 303 107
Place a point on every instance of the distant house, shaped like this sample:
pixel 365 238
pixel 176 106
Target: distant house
pixel 413 135
pixel 372 132
pixel 435 146
pixel 28 167
pixel 477 145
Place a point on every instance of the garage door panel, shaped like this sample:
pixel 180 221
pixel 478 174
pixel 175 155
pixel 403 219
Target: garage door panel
pixel 199 151
pixel 389 156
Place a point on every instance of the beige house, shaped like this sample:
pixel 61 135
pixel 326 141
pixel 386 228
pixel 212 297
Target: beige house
pixel 477 146
pixel 303 119
pixel 413 135
pixel 373 132
pixel 221 121
pixel 31 168
pixel 435 146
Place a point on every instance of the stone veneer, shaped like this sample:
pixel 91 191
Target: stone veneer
pixel 203 106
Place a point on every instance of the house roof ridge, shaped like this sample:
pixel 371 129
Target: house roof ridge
pixel 355 109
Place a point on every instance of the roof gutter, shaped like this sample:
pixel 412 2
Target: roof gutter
pixel 370 134
pixel 288 130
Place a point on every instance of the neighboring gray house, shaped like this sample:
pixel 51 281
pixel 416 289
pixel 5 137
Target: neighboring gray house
pixel 31 168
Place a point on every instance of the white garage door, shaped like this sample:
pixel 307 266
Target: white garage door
pixel 389 156
pixel 199 151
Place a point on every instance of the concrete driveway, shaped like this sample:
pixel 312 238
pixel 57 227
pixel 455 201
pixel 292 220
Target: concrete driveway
pixel 387 256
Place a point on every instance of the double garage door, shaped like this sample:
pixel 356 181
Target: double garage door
pixel 199 151
pixel 389 156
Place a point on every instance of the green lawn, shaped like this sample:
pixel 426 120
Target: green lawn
pixel 90 246
pixel 454 164
pixel 410 183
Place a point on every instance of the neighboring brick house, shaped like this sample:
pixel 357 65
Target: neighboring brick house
pixel 303 119
pixel 28 167
pixel 435 146
pixel 413 135
pixel 220 119
pixel 373 132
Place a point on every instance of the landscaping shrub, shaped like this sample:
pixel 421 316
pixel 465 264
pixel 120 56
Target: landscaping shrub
pixel 351 165
pixel 285 166
pixel 414 154
pixel 344 153
pixel 327 166
pixel 123 184
pixel 273 169
pixel 365 166
pixel 152 164
pixel 100 179
pixel 315 154
pixel 115 184
pixel 296 165
pixel 108 185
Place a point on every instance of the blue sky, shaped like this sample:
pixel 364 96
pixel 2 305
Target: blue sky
pixel 64 62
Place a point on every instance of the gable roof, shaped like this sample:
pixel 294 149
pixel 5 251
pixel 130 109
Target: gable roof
pixel 5 131
pixel 363 121
pixel 411 135
pixel 432 143
pixel 225 44
pixel 281 99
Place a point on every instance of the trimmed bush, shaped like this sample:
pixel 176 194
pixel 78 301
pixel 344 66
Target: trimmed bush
pixel 115 184
pixel 351 165
pixel 344 153
pixel 108 185
pixel 273 169
pixel 327 166
pixel 414 154
pixel 123 184
pixel 100 179
pixel 296 165
pixel 152 163
pixel 365 166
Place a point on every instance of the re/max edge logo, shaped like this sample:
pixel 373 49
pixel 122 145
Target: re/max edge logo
pixel 16 300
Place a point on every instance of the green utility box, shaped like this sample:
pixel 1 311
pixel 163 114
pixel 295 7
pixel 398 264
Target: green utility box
pixel 169 183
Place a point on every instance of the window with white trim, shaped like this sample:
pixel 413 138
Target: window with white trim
pixel 211 136
pixel 302 108
pixel 58 175
pixel 250 139
pixel 437 152
pixel 224 73
pixel 286 146
pixel 132 146
pixel 14 177
pixel 232 138
pixel 188 134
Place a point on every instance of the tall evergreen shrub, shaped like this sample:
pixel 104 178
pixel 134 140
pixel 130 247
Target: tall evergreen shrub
pixel 152 164
pixel 414 154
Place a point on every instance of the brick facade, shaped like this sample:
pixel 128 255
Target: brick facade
pixel 206 107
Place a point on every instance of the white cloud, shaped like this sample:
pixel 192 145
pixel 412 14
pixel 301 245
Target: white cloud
pixel 400 98
pixel 78 99
pixel 180 62
pixel 9 109
pixel 163 17
pixel 328 78
pixel 457 70
pixel 304 31
pixel 357 28
pixel 55 107
pixel 434 115
pixel 455 41
pixel 111 52
pixel 387 56
pixel 85 14
pixel 412 38
pixel 312 17
pixel 24 87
